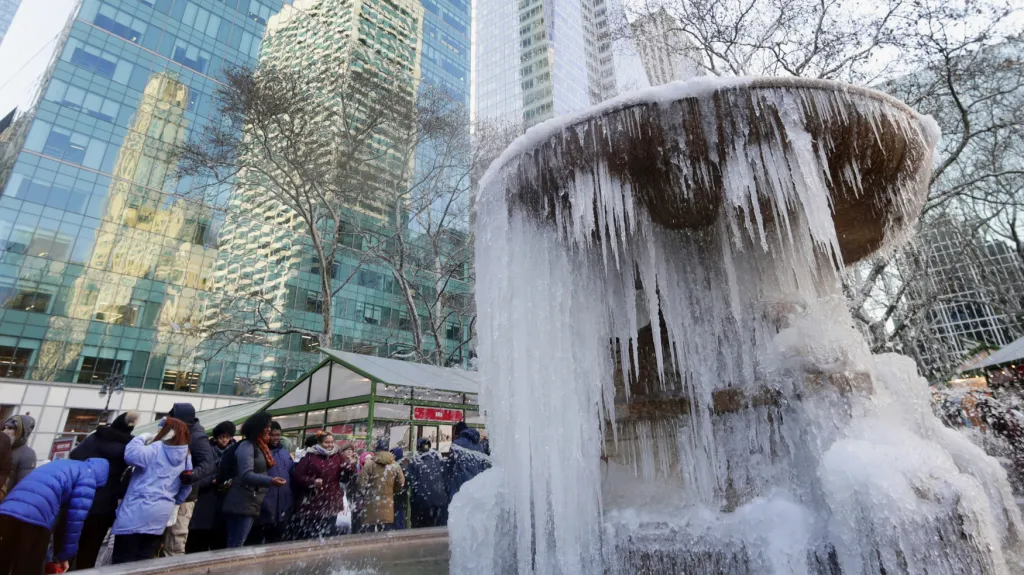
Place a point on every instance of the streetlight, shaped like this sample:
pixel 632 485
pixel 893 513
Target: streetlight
pixel 110 386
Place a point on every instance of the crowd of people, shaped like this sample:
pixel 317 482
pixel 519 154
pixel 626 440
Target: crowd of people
pixel 120 498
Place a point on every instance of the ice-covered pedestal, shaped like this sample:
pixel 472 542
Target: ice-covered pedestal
pixel 671 378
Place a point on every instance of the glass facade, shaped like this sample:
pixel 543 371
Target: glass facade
pixel 537 59
pixel 109 265
pixel 8 8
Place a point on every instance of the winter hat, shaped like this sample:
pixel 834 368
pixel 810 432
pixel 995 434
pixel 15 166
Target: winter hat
pixel 423 444
pixel 382 445
pixel 224 428
pixel 347 445
pixel 125 422
pixel 460 427
pixel 398 453
pixel 183 411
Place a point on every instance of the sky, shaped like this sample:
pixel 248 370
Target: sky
pixel 27 48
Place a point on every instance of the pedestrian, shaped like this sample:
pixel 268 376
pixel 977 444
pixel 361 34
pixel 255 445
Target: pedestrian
pixel 23 457
pixel 320 478
pixel 276 509
pixel 379 480
pixel 6 463
pixel 466 460
pixel 308 445
pixel 426 477
pixel 206 530
pixel 159 482
pixel 55 496
pixel 204 464
pixel 107 442
pixel 402 496
pixel 249 481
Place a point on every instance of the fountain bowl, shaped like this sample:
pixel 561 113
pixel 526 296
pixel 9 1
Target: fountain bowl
pixel 406 552
pixel 874 151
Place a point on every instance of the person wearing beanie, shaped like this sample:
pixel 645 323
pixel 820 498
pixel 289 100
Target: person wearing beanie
pixel 156 487
pixel 320 479
pixel 206 531
pixel 379 480
pixel 23 457
pixel 204 467
pixel 107 442
pixel 52 500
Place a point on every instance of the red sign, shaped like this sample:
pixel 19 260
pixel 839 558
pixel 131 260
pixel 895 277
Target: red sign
pixel 61 448
pixel 437 414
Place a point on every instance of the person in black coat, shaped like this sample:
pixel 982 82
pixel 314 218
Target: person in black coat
pixel 106 443
pixel 426 476
pixel 204 464
pixel 206 530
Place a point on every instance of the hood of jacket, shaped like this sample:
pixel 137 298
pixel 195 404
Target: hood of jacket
pixel 100 470
pixel 176 454
pixel 114 435
pixel 23 426
pixel 384 457
pixel 185 412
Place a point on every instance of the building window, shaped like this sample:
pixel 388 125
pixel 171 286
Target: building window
pixel 28 300
pixel 82 420
pixel 191 56
pixel 98 369
pixel 14 360
pixel 175 380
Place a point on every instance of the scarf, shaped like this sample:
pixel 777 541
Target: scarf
pixel 265 450
pixel 325 452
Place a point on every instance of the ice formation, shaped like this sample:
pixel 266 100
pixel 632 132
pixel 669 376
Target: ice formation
pixel 788 447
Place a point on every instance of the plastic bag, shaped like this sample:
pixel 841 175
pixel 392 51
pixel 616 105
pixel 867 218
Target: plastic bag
pixel 344 520
pixel 174 517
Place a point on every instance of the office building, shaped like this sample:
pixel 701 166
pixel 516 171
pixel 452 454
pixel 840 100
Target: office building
pixel 8 8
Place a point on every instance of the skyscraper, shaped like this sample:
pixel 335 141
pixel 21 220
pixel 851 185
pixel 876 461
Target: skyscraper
pixel 537 59
pixel 8 8
pixel 106 259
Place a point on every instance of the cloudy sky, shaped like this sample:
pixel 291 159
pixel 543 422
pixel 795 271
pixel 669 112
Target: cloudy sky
pixel 27 48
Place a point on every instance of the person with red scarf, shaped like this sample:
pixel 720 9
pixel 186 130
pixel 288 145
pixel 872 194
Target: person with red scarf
pixel 250 480
pixel 321 476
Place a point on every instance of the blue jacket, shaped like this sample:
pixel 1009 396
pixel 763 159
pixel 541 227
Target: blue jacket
pixel 466 460
pixel 155 487
pixel 277 505
pixel 38 499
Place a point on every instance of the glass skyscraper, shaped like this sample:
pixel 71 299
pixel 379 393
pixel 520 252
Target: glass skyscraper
pixel 537 59
pixel 8 8
pixel 108 264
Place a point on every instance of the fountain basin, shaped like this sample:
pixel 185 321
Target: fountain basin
pixel 407 552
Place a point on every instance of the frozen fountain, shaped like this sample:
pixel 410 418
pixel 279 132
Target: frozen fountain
pixel 673 383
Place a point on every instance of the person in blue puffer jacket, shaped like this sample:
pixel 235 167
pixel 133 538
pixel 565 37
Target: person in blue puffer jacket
pixel 161 480
pixel 32 509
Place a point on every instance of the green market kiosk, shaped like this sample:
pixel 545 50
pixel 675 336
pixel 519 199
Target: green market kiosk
pixel 362 399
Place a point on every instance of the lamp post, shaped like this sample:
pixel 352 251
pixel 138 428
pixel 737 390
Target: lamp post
pixel 110 386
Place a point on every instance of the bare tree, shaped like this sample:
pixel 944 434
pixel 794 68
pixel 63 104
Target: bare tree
pixel 322 164
pixel 960 62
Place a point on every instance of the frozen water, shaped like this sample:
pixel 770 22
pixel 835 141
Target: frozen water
pixel 791 448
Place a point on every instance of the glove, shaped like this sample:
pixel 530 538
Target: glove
pixel 187 478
